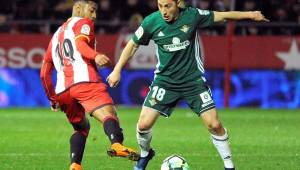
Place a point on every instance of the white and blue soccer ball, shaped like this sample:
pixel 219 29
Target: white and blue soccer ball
pixel 175 162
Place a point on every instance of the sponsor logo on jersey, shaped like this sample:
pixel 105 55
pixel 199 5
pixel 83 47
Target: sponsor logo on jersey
pixel 160 34
pixel 177 45
pixel 85 29
pixel 203 12
pixel 206 99
pixel 139 32
pixel 185 28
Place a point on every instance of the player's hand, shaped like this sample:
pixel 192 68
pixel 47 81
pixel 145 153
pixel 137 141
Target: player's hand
pixel 102 60
pixel 258 16
pixel 54 106
pixel 114 78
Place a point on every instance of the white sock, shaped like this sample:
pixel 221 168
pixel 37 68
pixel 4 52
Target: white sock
pixel 144 139
pixel 222 145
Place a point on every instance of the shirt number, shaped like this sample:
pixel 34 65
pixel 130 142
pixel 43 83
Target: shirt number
pixel 67 51
pixel 158 93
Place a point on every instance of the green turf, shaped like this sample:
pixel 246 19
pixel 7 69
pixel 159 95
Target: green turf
pixel 35 139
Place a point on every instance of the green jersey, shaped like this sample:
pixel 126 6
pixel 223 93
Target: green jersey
pixel 177 45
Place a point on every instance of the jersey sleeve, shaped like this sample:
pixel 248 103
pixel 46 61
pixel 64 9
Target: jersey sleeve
pixel 204 18
pixel 84 49
pixel 142 36
pixel 84 28
pixel 48 54
pixel 45 74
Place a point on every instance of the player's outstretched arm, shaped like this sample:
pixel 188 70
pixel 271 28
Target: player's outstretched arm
pixel 237 15
pixel 115 76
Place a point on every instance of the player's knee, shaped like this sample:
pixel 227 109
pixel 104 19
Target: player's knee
pixel 215 126
pixel 82 127
pixel 143 128
pixel 144 124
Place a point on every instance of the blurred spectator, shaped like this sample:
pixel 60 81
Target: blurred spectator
pixel 20 15
pixel 150 7
pixel 222 5
pixel 64 6
pixel 204 4
pixel 249 5
pixel 3 20
pixel 130 7
pixel 281 15
pixel 41 10
pixel 63 9
pixel 107 17
pixel 133 24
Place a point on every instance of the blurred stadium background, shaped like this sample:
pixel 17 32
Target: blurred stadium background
pixel 251 65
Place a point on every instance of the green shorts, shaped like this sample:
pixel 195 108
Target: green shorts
pixel 162 99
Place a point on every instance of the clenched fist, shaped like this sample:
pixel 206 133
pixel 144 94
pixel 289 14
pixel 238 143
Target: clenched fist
pixel 102 60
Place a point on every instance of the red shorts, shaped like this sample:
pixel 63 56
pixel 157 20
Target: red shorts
pixel 83 98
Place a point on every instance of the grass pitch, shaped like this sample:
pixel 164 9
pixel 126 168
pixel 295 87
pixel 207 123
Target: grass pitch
pixel 38 139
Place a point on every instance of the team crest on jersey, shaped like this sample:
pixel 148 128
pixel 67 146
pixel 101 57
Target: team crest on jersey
pixel 185 28
pixel 203 12
pixel 152 102
pixel 85 29
pixel 139 32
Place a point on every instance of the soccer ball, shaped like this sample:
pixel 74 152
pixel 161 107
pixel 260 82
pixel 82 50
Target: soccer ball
pixel 174 162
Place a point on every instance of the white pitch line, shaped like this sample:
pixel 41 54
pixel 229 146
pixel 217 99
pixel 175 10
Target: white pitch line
pixel 193 154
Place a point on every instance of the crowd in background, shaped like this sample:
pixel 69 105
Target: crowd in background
pixel 115 16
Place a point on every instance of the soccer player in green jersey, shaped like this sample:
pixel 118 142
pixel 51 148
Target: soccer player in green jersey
pixel 179 73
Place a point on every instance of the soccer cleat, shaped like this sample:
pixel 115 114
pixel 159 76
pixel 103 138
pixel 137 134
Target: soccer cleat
pixel 118 150
pixel 75 166
pixel 143 161
pixel 229 168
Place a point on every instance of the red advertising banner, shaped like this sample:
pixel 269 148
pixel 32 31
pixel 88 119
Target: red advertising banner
pixel 254 52
pixel 271 52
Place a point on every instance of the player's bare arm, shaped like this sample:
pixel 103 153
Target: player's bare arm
pixel 237 15
pixel 115 76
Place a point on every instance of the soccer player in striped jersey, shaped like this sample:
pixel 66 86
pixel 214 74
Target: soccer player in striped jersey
pixel 79 89
pixel 180 71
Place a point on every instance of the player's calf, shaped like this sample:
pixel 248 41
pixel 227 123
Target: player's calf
pixel 78 140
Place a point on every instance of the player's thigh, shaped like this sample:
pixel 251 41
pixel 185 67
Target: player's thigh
pixel 92 96
pixel 199 99
pixel 104 112
pixel 73 110
pixel 147 118
pixel 162 100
